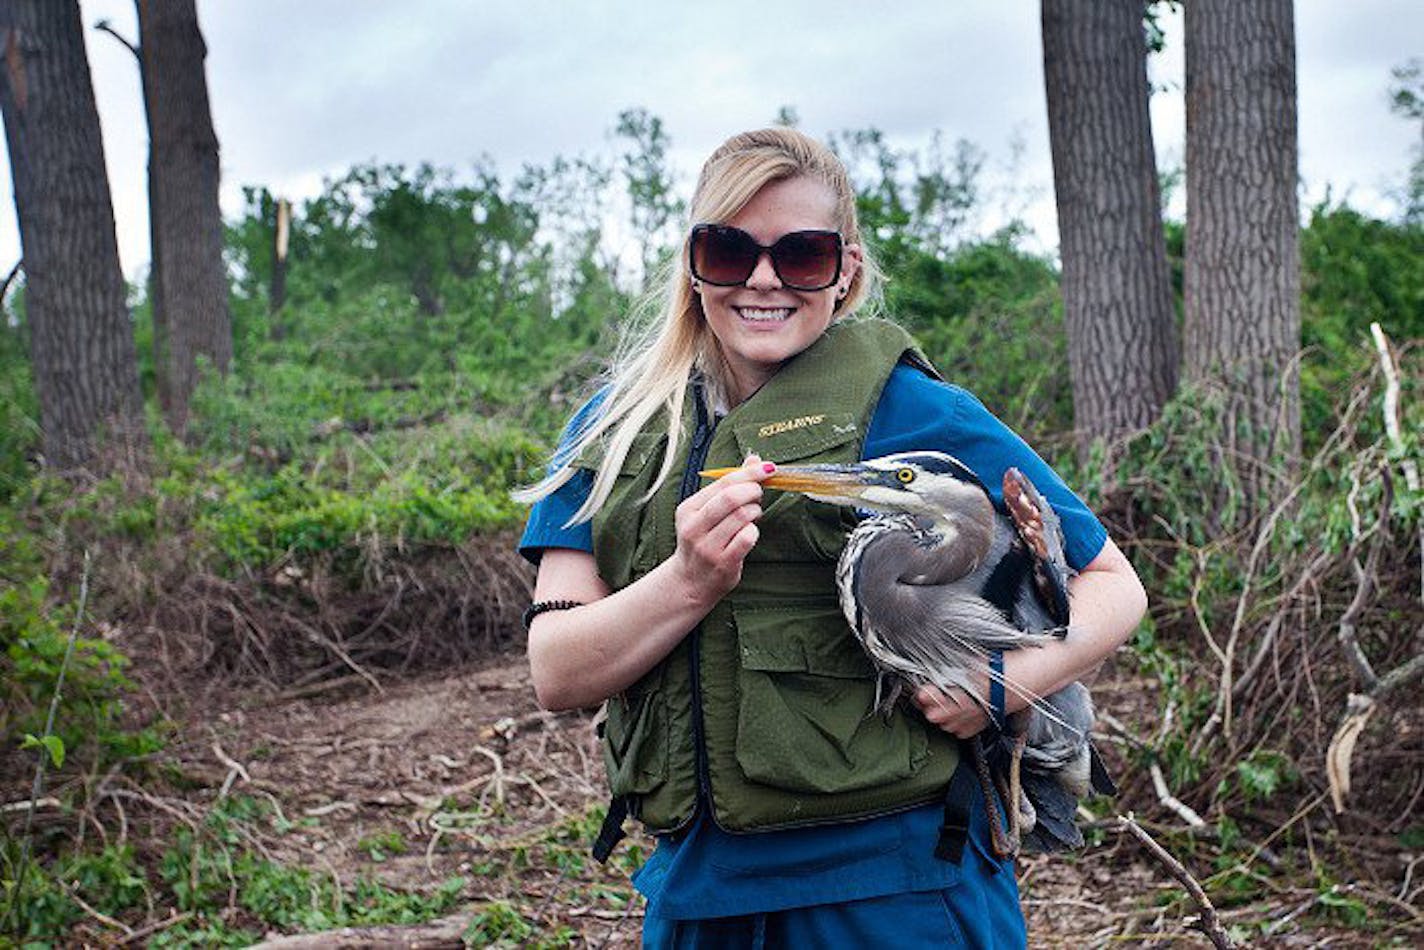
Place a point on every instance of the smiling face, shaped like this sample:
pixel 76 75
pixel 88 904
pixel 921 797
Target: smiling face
pixel 762 323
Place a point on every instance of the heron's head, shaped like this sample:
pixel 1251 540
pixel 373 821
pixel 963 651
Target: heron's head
pixel 928 484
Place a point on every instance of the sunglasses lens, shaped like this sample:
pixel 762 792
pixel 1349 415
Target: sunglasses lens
pixel 803 260
pixel 808 260
pixel 723 256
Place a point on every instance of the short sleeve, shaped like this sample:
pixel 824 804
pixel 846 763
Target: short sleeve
pixel 548 526
pixel 917 412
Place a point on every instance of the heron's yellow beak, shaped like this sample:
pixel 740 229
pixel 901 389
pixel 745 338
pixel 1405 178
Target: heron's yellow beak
pixel 824 482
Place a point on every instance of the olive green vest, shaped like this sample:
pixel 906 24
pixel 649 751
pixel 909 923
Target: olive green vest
pixel 772 681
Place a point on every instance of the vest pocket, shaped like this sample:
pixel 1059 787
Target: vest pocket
pixel 806 720
pixel 636 737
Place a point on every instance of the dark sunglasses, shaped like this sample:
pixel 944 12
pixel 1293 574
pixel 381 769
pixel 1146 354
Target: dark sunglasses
pixel 803 260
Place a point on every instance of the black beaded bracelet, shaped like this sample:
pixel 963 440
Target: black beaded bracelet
pixel 544 606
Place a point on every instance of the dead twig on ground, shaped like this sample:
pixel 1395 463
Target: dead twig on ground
pixel 1208 923
pixel 1165 796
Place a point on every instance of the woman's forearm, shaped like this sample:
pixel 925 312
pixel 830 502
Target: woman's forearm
pixel 1106 603
pixel 580 657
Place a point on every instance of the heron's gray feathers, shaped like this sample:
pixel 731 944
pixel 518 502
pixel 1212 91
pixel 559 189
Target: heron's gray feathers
pixel 938 633
pixel 940 579
pixel 1058 745
pixel 1055 808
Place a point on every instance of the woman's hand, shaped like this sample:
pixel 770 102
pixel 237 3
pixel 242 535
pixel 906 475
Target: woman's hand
pixel 954 712
pixel 716 529
pixel 580 656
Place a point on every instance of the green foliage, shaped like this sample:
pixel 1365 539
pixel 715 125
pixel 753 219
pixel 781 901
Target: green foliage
pixel 202 869
pixel 53 747
pixel 207 873
pixel 109 880
pixel 499 922
pixel 1356 270
pixel 911 200
pixel 34 636
pixel 1407 101
pixel 19 410
pixel 256 521
pixel 648 179
pixel 1264 773
pixel 381 846
pixel 988 314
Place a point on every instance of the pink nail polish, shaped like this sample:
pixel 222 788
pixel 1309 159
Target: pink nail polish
pixel 768 467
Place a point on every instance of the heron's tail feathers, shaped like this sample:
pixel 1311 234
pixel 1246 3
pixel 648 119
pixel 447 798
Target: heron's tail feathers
pixel 1054 810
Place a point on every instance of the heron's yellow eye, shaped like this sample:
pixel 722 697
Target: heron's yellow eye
pixel 905 475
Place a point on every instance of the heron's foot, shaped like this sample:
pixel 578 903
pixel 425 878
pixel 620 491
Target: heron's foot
pixel 1016 795
pixel 1005 845
pixel 1026 507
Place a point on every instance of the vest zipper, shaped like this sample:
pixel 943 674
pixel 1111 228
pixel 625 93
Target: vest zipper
pixel 697 457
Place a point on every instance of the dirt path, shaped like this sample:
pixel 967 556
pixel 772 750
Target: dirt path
pixel 464 776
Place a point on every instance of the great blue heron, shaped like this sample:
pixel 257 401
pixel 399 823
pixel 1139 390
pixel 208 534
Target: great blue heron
pixel 935 582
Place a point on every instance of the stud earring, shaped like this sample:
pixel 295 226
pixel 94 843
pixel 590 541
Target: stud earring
pixel 697 286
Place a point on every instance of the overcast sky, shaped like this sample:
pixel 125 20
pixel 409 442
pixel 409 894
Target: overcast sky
pixel 304 90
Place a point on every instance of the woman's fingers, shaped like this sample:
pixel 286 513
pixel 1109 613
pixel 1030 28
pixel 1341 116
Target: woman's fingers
pixel 716 526
pixel 954 712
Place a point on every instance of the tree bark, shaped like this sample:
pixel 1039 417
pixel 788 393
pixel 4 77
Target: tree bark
pixel 277 290
pixel 192 320
pixel 1242 277
pixel 81 335
pixel 1117 297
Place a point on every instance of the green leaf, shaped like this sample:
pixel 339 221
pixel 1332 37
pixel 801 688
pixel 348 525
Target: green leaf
pixel 54 745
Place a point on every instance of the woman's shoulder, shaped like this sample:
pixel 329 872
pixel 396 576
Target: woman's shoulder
pixel 912 391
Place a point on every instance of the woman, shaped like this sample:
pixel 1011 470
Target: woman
pixel 705 616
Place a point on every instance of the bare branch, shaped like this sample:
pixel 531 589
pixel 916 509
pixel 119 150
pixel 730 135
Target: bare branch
pixel 1209 924
pixel 103 27
pixel 1391 427
pixel 10 279
pixel 1164 795
pixel 1366 578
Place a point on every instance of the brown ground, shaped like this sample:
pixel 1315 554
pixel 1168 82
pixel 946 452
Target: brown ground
pixel 469 778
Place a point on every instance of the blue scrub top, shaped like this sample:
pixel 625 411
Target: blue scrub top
pixel 708 872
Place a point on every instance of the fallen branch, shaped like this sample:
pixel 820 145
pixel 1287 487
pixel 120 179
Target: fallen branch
pixel 1365 577
pixel 46 802
pixel 1391 427
pixel 1165 796
pixel 443 934
pixel 1358 710
pixel 154 928
pixel 1208 924
pixel 234 769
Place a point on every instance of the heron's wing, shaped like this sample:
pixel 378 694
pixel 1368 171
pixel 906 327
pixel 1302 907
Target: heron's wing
pixel 938 633
pixel 1055 809
pixel 1101 780
pixel 1041 532
pixel 1057 745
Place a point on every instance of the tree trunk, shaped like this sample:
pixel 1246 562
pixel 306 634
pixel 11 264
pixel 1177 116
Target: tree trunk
pixel 277 290
pixel 190 290
pixel 81 336
pixel 1242 279
pixel 1117 297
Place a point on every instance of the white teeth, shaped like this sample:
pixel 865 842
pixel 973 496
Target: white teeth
pixel 769 316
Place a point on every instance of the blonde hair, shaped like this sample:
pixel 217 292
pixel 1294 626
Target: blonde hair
pixel 659 356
